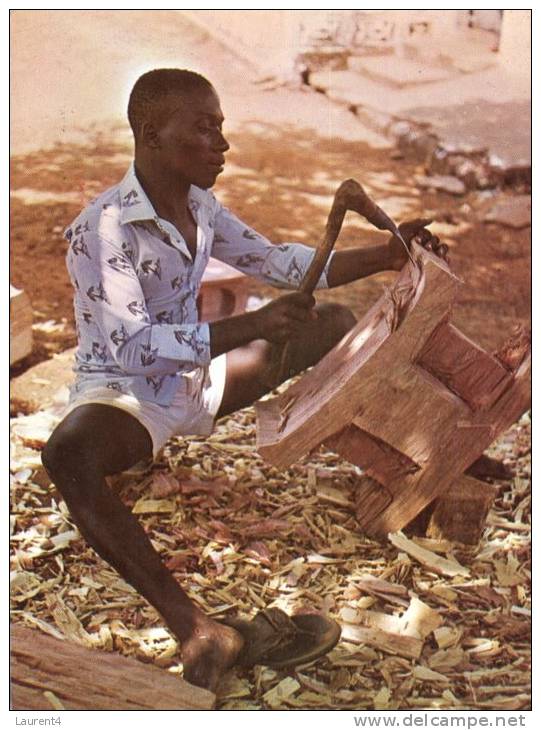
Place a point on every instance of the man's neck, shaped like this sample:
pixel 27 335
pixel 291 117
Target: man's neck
pixel 169 197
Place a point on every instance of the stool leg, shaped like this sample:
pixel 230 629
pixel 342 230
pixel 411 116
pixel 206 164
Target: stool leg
pixel 460 515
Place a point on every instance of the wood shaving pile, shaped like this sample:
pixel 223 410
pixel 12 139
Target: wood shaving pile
pixel 240 536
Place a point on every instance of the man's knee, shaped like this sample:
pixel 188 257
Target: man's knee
pixel 65 452
pixel 96 440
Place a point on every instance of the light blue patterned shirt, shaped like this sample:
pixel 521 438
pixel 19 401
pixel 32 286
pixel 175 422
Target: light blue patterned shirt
pixel 136 287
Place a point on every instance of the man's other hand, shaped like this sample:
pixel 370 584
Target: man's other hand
pixel 284 317
pixel 414 231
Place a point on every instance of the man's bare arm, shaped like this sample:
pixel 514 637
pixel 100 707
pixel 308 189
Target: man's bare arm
pixel 356 263
pixel 277 321
pixel 283 318
pixel 351 264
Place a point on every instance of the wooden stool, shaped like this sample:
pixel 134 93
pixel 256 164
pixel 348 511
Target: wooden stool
pixel 408 398
pixel 224 292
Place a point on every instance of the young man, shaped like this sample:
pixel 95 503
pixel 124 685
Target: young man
pixel 146 368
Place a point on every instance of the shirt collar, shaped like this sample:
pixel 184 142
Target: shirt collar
pixel 136 206
pixel 134 203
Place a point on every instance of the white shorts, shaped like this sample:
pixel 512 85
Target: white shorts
pixel 186 416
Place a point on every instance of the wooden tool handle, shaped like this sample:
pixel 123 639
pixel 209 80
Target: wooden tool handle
pixel 324 250
pixel 278 369
pixel 349 196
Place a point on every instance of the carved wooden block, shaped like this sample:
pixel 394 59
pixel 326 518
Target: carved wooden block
pixel 405 396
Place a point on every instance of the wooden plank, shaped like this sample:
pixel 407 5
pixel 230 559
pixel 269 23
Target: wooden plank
pixel 414 413
pixel 434 562
pixel 403 635
pixel 515 349
pixel 20 325
pixel 458 449
pixel 44 668
pixel 371 499
pixel 392 643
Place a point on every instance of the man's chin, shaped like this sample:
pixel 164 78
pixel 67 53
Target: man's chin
pixel 207 183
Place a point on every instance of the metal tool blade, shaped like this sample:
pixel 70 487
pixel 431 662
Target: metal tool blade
pixel 396 232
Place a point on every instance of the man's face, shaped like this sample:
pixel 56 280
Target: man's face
pixel 189 136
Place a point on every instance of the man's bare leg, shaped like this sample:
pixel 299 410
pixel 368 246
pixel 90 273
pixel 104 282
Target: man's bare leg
pixel 95 441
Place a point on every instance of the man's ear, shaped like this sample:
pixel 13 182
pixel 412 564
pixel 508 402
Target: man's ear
pixel 149 135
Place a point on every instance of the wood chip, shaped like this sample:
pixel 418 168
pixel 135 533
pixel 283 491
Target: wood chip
pixel 282 691
pixel 53 699
pixel 383 640
pixel 447 636
pixel 420 620
pixel 507 571
pixel 446 659
pixel 145 506
pixel 425 674
pixel 391 592
pixel 443 566
pixel 381 700
pixel 240 536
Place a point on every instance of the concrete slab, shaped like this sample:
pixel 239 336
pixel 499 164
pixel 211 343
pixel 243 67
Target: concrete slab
pixel 513 211
pixel 460 90
pixel 401 73
pixel 351 88
pixel 486 113
pixel 444 183
pixel 500 128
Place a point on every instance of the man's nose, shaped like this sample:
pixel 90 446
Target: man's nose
pixel 221 144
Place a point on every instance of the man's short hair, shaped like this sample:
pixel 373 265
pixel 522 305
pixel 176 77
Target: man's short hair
pixel 155 86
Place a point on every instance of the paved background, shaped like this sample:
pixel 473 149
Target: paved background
pixel 73 70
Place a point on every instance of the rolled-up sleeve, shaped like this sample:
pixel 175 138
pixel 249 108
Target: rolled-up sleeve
pixel 108 289
pixel 281 265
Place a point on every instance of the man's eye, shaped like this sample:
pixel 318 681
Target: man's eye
pixel 206 128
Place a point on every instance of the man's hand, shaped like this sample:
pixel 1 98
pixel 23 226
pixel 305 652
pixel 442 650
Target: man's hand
pixel 284 317
pixel 414 231
pixel 277 321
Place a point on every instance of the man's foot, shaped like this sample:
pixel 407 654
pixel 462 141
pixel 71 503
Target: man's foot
pixel 277 640
pixel 209 653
